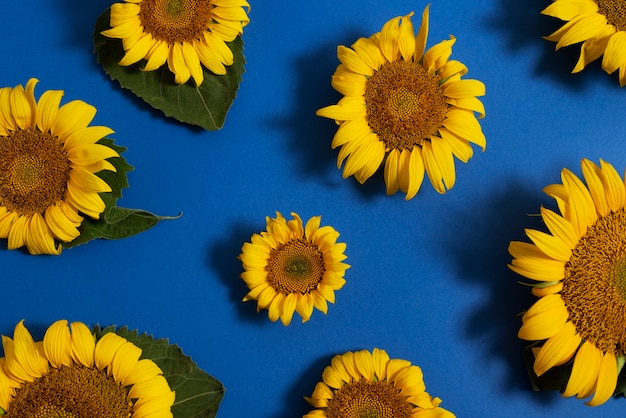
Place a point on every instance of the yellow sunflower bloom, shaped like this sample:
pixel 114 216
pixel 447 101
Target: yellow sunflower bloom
pixel 579 274
pixel 601 27
pixel 370 384
pixel 290 268
pixel 405 107
pixel 187 34
pixel 48 160
pixel 70 374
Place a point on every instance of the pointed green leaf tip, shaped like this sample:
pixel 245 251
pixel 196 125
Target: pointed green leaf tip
pixel 205 106
pixel 115 222
pixel 198 394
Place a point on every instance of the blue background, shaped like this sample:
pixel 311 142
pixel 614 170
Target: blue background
pixel 428 282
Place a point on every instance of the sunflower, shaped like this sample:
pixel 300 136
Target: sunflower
pixel 293 268
pixel 405 107
pixel 48 157
pixel 601 27
pixel 364 384
pixel 579 269
pixel 70 374
pixel 188 34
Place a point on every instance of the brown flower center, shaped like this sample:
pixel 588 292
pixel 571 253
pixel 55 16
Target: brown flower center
pixel 405 105
pixel 34 171
pixel 365 399
pixel 594 286
pixel 295 267
pixel 175 21
pixel 615 12
pixel 71 392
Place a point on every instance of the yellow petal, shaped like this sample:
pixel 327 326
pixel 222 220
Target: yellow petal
pixel 353 61
pixel 71 117
pixel 585 371
pixel 406 38
pixel 607 380
pixel 83 344
pixel 106 349
pixel 558 350
pixel 592 175
pixel 138 51
pixel 47 108
pixel 544 319
pixel 422 36
pixel 567 10
pixel 57 344
pixel 389 39
pixel 550 245
pixel 438 55
pixel 193 63
pixel 157 56
pixel 615 53
pixel 581 209
pixel 432 168
pixel 363 362
pixel 613 186
pixel 176 64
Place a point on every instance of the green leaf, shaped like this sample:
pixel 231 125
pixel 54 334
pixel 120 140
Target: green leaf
pixel 198 394
pixel 115 222
pixel 205 106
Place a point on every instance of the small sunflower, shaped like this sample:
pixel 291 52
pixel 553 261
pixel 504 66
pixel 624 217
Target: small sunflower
pixel 364 384
pixel 48 160
pixel 187 34
pixel 293 268
pixel 579 269
pixel 404 107
pixel 70 374
pixel 601 27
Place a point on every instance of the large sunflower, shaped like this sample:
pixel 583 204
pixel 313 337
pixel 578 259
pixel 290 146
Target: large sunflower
pixel 187 34
pixel 364 384
pixel 70 374
pixel 404 107
pixel 601 27
pixel 293 268
pixel 580 272
pixel 48 157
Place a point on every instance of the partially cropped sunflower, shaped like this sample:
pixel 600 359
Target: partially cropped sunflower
pixel 187 34
pixel 48 160
pixel 601 27
pixel 70 374
pixel 364 384
pixel 290 268
pixel 404 108
pixel 579 269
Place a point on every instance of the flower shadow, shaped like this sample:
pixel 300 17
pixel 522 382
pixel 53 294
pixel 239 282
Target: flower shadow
pixel 309 135
pixel 79 18
pixel 524 26
pixel 222 258
pixel 295 404
pixel 480 249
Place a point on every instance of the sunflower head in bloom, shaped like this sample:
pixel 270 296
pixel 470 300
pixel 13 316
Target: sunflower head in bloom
pixel 70 374
pixel 405 107
pixel 187 34
pixel 600 25
pixel 370 384
pixel 578 270
pixel 48 159
pixel 293 268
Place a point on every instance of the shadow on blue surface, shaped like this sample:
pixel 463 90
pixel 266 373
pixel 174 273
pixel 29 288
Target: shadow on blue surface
pixel 295 404
pixel 222 257
pixel 482 256
pixel 523 27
